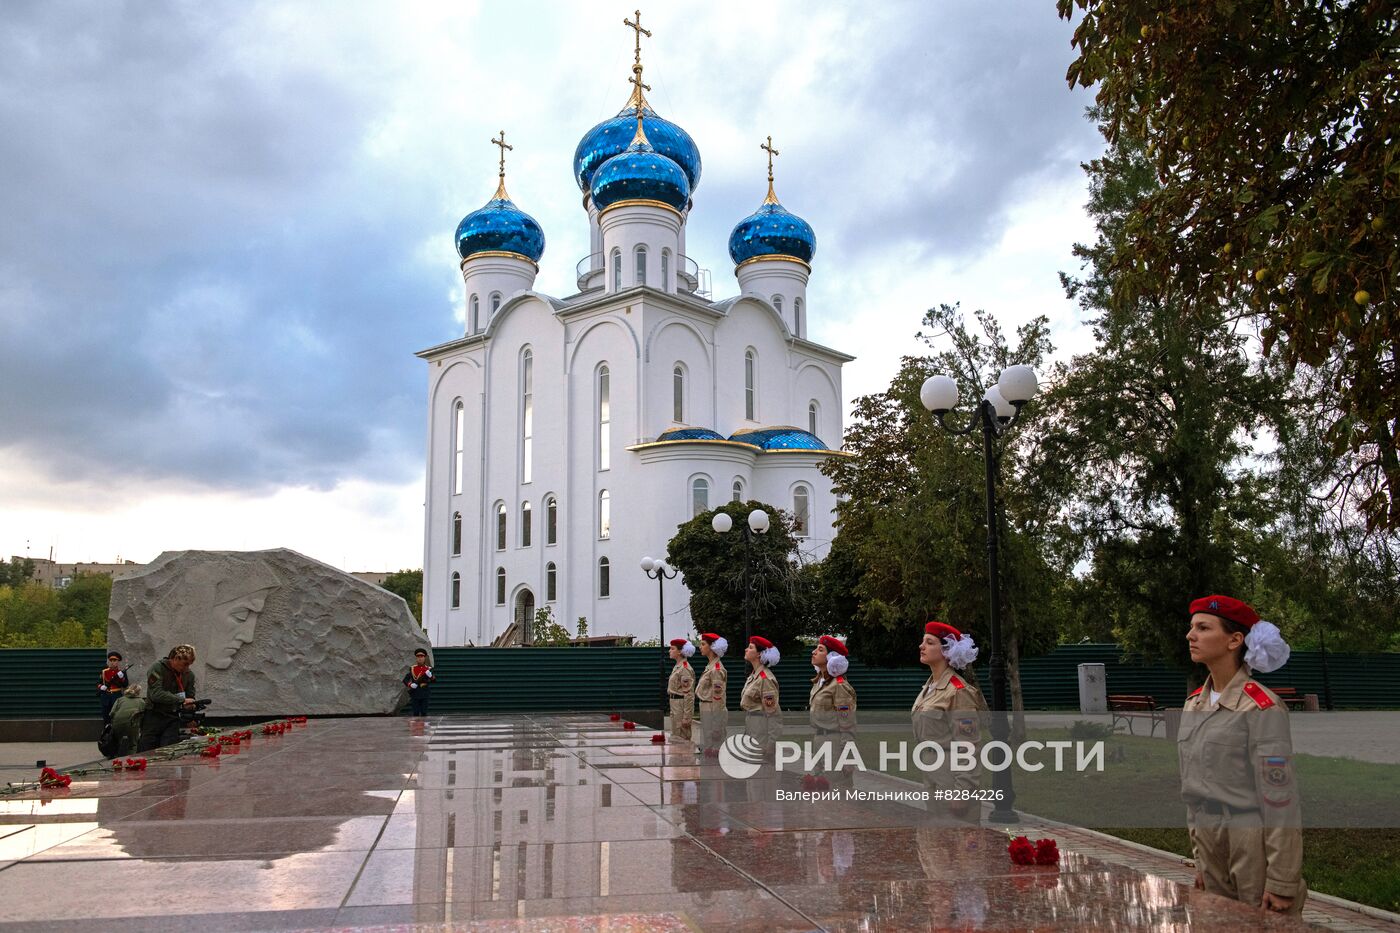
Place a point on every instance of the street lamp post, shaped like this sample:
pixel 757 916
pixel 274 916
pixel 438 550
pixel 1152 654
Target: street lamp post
pixel 659 571
pixel 757 524
pixel 999 409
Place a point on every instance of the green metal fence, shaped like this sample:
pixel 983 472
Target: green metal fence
pixel 53 683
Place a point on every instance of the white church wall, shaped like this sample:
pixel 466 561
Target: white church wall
pixel 814 381
pixel 674 339
pixel 780 282
pixel 493 281
pixel 457 378
pixel 629 227
pixel 751 325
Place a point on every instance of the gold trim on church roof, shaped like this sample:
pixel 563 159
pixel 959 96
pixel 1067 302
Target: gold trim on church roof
pixel 640 202
pixel 775 258
pixel 499 254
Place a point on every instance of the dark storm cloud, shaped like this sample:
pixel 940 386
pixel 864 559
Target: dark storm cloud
pixel 199 277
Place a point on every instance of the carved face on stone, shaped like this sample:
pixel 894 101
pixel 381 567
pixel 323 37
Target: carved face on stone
pixel 233 625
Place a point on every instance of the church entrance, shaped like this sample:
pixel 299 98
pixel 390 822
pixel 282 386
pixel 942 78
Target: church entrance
pixel 525 615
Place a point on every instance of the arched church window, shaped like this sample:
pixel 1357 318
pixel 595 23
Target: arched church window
pixel 476 314
pixel 604 514
pixel 604 417
pixel 641 256
pixel 501 526
pixel 737 492
pixel 551 582
pixel 750 391
pixel 456 595
pixel 666 270
pixel 495 302
pixel 500 586
pixel 678 393
pixel 527 415
pixel 456 533
pixel 778 304
pixel 801 502
pixel 604 578
pixel 525 523
pixel 551 520
pixel 797 321
pixel 699 496
pixel 813 416
pixel 459 430
pixel 617 269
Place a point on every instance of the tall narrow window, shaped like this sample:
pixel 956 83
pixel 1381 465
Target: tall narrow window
pixel 604 514
pixel 456 533
pixel 525 529
pixel 678 393
pixel 459 449
pixel 476 314
pixel 812 416
pixel 604 578
pixel 551 521
pixel 527 415
pixel 617 270
pixel 456 602
pixel 699 496
pixel 500 586
pixel 737 493
pixel 778 304
pixel 750 365
pixel 495 302
pixel 641 265
pixel 800 507
pixel 551 583
pixel 501 527
pixel 798 323
pixel 604 417
pixel 666 270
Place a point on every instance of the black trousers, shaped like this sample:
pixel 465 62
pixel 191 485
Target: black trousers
pixel 107 702
pixel 159 731
pixel 418 701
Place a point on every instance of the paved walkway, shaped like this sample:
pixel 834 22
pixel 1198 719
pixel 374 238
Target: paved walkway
pixel 535 823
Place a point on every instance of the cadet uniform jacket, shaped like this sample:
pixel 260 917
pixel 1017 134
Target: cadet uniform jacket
pixel 421 675
pixel 682 682
pixel 760 693
pixel 831 704
pixel 113 682
pixel 712 688
pixel 1236 760
pixel 949 709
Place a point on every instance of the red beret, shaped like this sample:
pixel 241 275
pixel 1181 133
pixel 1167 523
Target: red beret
pixel 759 642
pixel 1226 608
pixel 942 630
pixel 709 636
pixel 833 644
pixel 677 642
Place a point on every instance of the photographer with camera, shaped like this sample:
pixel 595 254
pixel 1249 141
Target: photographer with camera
pixel 170 692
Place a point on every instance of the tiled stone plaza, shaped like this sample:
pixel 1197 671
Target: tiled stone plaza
pixel 561 822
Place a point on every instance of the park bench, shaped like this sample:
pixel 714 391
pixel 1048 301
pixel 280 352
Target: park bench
pixel 1128 707
pixel 1290 697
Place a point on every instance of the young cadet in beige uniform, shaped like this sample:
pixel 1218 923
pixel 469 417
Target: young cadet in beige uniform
pixel 711 693
pixel 681 689
pixel 763 717
pixel 831 704
pixel 1236 756
pixel 949 709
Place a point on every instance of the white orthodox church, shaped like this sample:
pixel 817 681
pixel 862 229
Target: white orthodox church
pixel 569 437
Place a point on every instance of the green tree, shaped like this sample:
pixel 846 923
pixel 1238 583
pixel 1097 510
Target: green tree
pixel 719 567
pixel 86 600
pixel 409 585
pixel 1273 131
pixel 545 632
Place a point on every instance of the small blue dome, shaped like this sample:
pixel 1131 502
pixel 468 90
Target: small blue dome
pixel 690 434
pixel 640 173
pixel 613 136
pixel 500 226
pixel 772 230
pixel 780 438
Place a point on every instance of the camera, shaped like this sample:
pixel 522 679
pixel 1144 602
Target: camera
pixel 195 715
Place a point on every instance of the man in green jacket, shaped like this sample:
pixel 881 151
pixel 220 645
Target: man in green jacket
pixel 170 688
pixel 127 714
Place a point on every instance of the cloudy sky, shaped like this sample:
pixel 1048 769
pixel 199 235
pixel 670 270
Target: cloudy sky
pixel 226 228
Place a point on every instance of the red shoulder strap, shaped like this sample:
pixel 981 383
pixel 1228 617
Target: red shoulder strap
pixel 762 675
pixel 1257 694
pixel 1198 690
pixel 840 680
pixel 956 681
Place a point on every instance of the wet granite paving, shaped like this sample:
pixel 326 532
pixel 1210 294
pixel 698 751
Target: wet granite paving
pixel 532 823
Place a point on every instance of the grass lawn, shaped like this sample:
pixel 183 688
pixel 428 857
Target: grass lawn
pixel 1351 808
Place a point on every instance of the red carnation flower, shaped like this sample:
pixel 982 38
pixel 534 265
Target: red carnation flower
pixel 657 738
pixel 1046 852
pixel 629 725
pixel 615 717
pixel 116 764
pixel 1021 850
pixel 809 782
pixel 136 764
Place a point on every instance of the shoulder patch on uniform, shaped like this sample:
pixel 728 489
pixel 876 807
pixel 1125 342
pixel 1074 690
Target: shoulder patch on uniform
pixel 762 675
pixel 1258 695
pixel 956 681
pixel 840 680
pixel 1197 691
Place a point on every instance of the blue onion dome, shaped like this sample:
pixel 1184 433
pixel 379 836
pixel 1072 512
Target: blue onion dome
pixel 774 231
pixel 640 173
pixel 690 434
pixel 613 136
pixel 783 437
pixel 500 227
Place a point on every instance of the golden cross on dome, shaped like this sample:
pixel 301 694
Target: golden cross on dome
pixel 637 100
pixel 637 27
pixel 768 148
pixel 501 183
